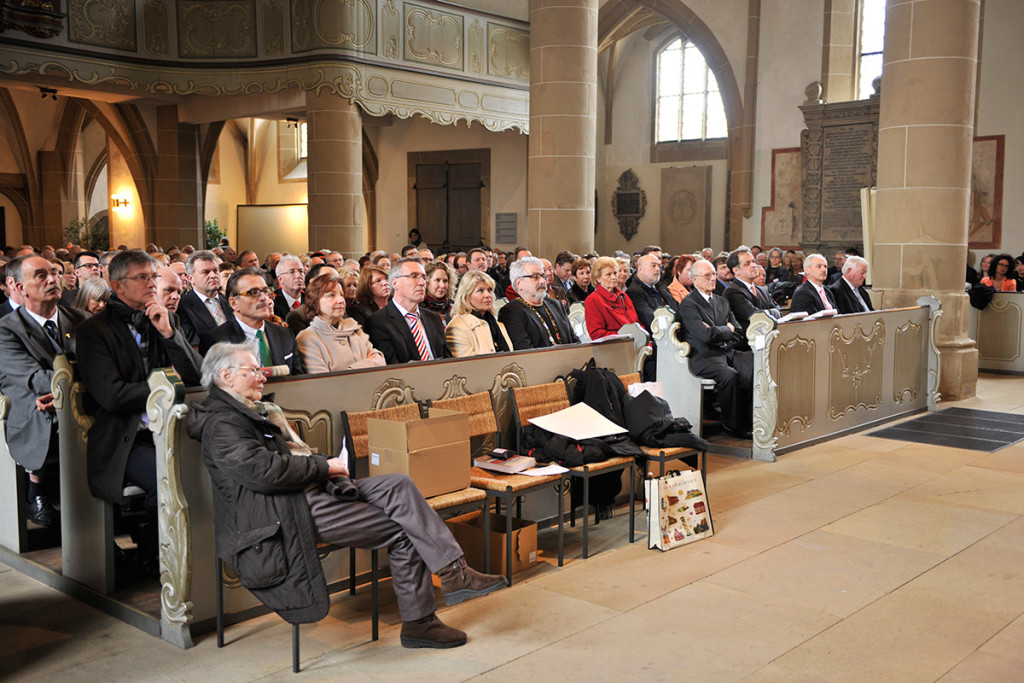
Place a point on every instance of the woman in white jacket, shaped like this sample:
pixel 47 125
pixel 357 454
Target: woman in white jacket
pixel 474 330
pixel 333 342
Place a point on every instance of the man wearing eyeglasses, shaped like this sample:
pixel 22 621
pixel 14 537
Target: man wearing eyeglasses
pixel 117 349
pixel 714 335
pixel 533 319
pixel 250 300
pixel 403 331
pixel 87 266
pixel 291 275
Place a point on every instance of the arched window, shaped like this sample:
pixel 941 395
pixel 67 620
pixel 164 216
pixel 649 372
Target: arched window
pixel 872 34
pixel 689 105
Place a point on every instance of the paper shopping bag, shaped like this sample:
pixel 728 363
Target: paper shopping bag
pixel 677 510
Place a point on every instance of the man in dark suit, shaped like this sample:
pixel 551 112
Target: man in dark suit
pixel 848 291
pixel 744 297
pixel 291 276
pixel 203 307
pixel 713 333
pixel 555 288
pixel 811 296
pixel 724 275
pixel 534 320
pixel 30 338
pixel 403 331
pixel 119 347
pixel 645 292
pixel 249 297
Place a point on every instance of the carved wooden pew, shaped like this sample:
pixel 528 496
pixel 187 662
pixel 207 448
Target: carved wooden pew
pixel 818 379
pixel 13 534
pixel 684 390
pixel 186 517
pixel 998 330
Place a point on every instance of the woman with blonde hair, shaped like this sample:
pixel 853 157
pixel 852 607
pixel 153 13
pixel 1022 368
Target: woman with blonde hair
pixel 608 308
pixel 372 293
pixel 474 330
pixel 332 342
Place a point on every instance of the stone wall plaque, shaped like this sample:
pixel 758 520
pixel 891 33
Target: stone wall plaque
pixel 685 208
pixel 629 203
pixel 985 230
pixel 780 220
pixel 839 156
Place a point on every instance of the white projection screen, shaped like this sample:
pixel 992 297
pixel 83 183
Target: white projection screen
pixel 273 227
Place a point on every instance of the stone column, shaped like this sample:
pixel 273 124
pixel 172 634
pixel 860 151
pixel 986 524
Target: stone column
pixel 334 173
pixel 563 126
pixel 924 171
pixel 177 195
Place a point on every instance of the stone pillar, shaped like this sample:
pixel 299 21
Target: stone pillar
pixel 334 173
pixel 563 126
pixel 924 171
pixel 177 214
pixel 50 217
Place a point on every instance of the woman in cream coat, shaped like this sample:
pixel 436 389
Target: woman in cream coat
pixel 474 330
pixel 333 342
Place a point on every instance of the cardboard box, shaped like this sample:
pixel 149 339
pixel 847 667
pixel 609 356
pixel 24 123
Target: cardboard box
pixel 468 530
pixel 434 451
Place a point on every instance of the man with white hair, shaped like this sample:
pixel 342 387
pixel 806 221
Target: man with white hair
pixel 715 339
pixel 812 297
pixel 532 319
pixel 848 291
pixel 290 277
pixel 272 495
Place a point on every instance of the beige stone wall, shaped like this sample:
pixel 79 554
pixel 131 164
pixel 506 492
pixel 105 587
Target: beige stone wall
pixel 222 198
pixel 392 144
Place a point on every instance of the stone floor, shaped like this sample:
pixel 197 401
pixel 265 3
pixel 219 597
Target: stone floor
pixel 859 559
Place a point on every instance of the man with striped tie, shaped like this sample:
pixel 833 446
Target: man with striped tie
pixel 203 307
pixel 403 331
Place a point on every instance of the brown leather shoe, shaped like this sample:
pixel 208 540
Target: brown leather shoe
pixel 460 582
pixel 431 632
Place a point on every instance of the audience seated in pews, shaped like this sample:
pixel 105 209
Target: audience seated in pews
pixel 332 342
pixel 266 497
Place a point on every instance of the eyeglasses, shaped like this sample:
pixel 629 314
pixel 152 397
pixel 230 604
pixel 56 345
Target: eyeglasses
pixel 535 276
pixel 254 371
pixel 255 293
pixel 705 276
pixel 142 278
pixel 415 277
pixel 88 265
pixel 293 271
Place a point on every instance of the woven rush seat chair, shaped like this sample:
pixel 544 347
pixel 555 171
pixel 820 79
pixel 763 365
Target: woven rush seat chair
pixel 544 399
pixel 661 455
pixel 483 432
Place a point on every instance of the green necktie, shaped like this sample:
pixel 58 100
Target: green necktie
pixel 265 360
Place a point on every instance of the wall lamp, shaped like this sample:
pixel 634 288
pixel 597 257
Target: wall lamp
pixel 120 201
pixel 48 92
pixel 291 123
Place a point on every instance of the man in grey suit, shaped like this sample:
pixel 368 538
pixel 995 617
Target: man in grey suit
pixel 30 338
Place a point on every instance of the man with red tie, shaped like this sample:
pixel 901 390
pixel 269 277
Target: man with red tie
pixel 403 331
pixel 812 297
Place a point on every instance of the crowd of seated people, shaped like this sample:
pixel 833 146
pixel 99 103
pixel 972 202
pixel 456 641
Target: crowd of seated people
pixel 125 312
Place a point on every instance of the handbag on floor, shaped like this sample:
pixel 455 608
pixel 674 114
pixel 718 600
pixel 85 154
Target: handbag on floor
pixel 677 510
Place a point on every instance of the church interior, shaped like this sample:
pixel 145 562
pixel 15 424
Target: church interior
pixel 298 125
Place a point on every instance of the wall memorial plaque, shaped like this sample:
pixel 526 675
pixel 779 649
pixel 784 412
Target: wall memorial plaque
pixel 839 156
pixel 629 203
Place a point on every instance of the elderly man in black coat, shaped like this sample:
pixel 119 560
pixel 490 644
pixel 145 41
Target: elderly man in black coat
pixel 271 507
pixel 713 333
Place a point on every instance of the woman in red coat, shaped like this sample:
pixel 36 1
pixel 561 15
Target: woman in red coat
pixel 607 308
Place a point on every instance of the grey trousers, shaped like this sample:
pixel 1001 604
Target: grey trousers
pixel 391 513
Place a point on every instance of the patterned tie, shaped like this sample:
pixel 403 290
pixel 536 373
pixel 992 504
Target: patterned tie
pixel 51 329
pixel 753 290
pixel 215 311
pixel 419 337
pixel 265 359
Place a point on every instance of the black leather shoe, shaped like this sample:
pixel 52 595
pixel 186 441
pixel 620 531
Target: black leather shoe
pixel 41 512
